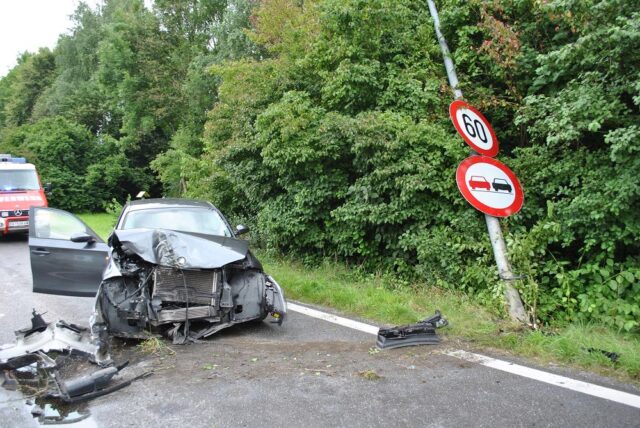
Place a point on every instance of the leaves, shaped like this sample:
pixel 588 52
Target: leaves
pixel 323 125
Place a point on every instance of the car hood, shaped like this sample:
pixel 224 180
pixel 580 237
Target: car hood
pixel 182 250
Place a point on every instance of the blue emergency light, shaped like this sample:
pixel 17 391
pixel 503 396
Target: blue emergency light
pixel 8 158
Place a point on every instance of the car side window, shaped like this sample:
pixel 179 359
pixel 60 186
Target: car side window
pixel 57 225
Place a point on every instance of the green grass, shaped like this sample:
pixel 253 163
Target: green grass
pixel 382 300
pixel 471 325
pixel 374 297
pixel 101 223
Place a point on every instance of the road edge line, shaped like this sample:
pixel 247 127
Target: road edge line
pixel 505 366
pixel 345 322
pixel 550 378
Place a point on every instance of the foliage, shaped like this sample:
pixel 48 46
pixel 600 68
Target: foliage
pixel 581 114
pixel 102 223
pixel 323 125
pixel 345 149
pixel 29 81
pixel 63 150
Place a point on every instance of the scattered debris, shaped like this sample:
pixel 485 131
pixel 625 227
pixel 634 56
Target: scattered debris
pixel 92 385
pixel 421 333
pixel 369 375
pixel 26 362
pixel 155 346
pixel 42 337
pixel 317 371
pixel 610 355
pixel 58 413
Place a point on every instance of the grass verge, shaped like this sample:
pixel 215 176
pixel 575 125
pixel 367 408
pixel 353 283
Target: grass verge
pixel 101 223
pixel 379 299
pixel 376 298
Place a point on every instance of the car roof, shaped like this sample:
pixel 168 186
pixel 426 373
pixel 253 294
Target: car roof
pixel 145 204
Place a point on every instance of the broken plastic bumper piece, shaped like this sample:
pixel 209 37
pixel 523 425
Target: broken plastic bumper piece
pixel 57 336
pixel 421 333
pixel 92 385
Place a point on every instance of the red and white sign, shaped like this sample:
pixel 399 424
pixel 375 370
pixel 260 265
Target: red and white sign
pixel 490 186
pixel 474 128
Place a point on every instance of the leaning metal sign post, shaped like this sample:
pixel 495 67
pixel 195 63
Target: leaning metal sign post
pixel 487 184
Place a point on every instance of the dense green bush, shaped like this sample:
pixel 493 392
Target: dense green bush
pixel 61 150
pixel 573 112
pixel 323 125
pixel 344 148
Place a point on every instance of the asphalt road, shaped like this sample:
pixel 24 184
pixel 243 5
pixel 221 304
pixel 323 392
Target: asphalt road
pixel 307 373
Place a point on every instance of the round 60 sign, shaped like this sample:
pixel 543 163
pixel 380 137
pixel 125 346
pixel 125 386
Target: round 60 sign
pixel 490 186
pixel 474 128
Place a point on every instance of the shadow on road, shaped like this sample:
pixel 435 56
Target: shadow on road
pixel 18 237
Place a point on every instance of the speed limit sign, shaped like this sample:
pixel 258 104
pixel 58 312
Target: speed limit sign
pixel 474 128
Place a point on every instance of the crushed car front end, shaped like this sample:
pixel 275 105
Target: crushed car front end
pixel 185 285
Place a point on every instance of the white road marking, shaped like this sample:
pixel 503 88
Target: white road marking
pixel 552 379
pixel 345 322
pixel 505 366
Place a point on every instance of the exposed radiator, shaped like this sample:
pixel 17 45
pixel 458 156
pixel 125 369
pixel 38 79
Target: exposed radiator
pixel 178 315
pixel 201 285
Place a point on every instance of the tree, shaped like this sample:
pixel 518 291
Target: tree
pixel 62 151
pixel 33 75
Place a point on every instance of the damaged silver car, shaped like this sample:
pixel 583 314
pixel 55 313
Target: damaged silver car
pixel 171 266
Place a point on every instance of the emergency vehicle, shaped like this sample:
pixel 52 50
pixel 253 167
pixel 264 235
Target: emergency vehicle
pixel 20 189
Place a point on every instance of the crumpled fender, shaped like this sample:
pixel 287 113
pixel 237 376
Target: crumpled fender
pixel 275 299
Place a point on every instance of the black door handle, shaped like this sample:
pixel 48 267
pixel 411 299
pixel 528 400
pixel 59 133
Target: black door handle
pixel 40 251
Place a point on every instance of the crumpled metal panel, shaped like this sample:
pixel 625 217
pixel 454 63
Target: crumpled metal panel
pixel 169 248
pixel 58 336
pixel 275 298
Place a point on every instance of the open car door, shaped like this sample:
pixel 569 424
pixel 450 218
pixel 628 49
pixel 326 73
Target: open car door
pixel 67 257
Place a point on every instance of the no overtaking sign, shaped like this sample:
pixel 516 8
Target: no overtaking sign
pixel 490 186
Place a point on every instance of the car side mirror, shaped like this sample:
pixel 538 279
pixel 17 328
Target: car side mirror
pixel 241 229
pixel 82 237
pixel 48 187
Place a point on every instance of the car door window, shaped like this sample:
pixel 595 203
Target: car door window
pixel 57 225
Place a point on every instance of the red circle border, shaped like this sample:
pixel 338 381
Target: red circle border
pixel 496 212
pixel 453 108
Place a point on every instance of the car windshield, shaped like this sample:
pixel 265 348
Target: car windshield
pixel 197 220
pixel 20 179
